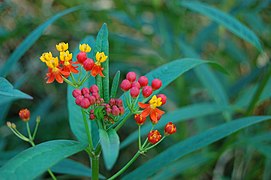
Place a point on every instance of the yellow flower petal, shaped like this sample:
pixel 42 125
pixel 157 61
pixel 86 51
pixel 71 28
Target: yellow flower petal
pixel 65 56
pixel 47 56
pixel 101 57
pixel 61 47
pixel 84 48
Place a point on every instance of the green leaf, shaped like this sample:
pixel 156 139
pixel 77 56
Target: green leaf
pixel 181 166
pixel 31 39
pixel 115 85
pixel 75 115
pixel 110 146
pixel 182 114
pixel 32 162
pixel 8 93
pixel 192 144
pixel 209 80
pixel 226 20
pixel 102 45
pixel 71 167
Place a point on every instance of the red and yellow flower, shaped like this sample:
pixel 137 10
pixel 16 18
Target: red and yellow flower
pixel 151 109
pixel 66 58
pixel 97 68
pixel 170 128
pixel 154 136
pixel 24 114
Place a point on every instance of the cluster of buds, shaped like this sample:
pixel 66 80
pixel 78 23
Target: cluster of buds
pixel 134 86
pixel 87 96
pixel 154 136
pixel 88 64
pixel 114 107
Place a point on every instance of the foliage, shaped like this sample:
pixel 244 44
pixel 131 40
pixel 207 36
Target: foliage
pixel 180 42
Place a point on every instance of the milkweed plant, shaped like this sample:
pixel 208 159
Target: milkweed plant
pixel 99 106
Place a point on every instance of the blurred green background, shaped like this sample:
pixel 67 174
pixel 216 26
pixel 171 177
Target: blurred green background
pixel 142 36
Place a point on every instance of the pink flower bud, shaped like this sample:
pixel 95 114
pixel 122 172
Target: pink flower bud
pixel 134 92
pixel 115 110
pixel 163 97
pixel 131 76
pixel 81 57
pixel 108 111
pixel 156 84
pixel 112 102
pixel 92 116
pixel 136 84
pixel 91 111
pixel 121 110
pixel 143 81
pixel 96 95
pixel 88 64
pixel 119 102
pixel 91 99
pixel 147 91
pixel 85 103
pixel 85 91
pixel 76 93
pixel 94 88
pixel 78 100
pixel 125 85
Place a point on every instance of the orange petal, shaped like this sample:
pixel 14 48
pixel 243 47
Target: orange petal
pixel 153 116
pixel 59 78
pixel 158 111
pixel 146 112
pixel 50 78
pixel 142 105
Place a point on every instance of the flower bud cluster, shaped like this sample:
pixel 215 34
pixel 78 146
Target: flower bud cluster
pixel 87 96
pixel 114 107
pixel 134 86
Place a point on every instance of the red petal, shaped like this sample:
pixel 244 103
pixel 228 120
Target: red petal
pixel 142 105
pixel 146 112
pixel 59 78
pixel 158 111
pixel 50 77
pixel 153 117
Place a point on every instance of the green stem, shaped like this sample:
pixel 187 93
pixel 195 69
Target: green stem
pixel 125 167
pixel 139 137
pixel 88 131
pixel 36 127
pixel 148 148
pixel 69 82
pixel 29 131
pixel 95 167
pixel 19 135
pixel 258 93
pixel 123 121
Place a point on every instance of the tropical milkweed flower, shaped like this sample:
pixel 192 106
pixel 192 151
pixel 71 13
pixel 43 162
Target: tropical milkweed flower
pixel 57 70
pixel 97 68
pixel 170 128
pixel 24 114
pixel 154 136
pixel 152 109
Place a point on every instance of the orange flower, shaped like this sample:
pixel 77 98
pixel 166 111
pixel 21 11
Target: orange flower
pixel 151 109
pixel 56 74
pixel 170 128
pixel 97 69
pixel 24 114
pixel 154 136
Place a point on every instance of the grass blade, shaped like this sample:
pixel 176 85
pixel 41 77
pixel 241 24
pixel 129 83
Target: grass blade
pixel 226 20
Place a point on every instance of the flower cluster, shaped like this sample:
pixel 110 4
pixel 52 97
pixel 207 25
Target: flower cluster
pixel 57 70
pixel 114 107
pixel 61 67
pixel 134 86
pixel 87 96
pixel 88 63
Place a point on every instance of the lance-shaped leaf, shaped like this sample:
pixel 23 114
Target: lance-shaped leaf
pixel 32 162
pixel 110 146
pixel 8 93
